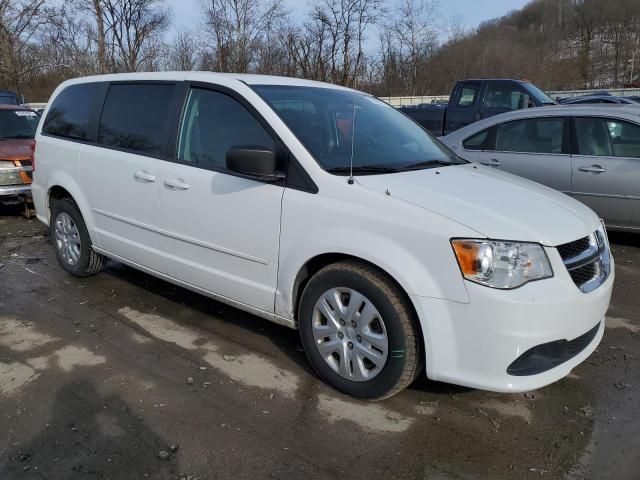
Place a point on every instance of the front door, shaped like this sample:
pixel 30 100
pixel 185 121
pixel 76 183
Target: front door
pixel 221 231
pixel 606 169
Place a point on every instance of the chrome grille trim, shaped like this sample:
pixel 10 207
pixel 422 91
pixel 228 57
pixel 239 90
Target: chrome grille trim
pixel 588 260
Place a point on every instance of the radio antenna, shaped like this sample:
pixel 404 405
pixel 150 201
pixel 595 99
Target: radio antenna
pixel 353 139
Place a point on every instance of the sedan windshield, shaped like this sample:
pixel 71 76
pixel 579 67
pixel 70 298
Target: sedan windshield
pixel 18 123
pixel 336 125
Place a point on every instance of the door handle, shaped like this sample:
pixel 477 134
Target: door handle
pixel 144 176
pixel 176 184
pixel 494 162
pixel 593 169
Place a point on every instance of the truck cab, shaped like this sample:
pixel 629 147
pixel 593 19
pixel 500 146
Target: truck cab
pixel 474 99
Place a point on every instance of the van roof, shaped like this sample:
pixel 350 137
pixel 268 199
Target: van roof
pixel 249 79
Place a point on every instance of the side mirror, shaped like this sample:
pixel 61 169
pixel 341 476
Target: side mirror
pixel 258 163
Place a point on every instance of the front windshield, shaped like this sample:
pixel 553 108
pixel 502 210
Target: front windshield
pixel 381 139
pixel 18 123
pixel 542 97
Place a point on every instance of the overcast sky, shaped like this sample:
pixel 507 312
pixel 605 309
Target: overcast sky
pixel 473 12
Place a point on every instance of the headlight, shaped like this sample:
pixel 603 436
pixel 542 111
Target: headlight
pixel 500 264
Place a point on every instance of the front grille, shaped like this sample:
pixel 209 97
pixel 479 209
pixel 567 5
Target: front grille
pixel 582 275
pixel 588 260
pixel 574 248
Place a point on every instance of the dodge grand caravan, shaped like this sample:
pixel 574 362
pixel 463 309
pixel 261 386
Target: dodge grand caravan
pixel 325 209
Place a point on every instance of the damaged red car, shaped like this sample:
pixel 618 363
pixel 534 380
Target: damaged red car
pixel 17 130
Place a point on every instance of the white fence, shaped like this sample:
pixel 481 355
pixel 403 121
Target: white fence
pixel 402 101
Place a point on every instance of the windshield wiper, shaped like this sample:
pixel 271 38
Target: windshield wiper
pixel 365 169
pixel 427 164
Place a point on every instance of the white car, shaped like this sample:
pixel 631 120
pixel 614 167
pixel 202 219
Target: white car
pixel 324 209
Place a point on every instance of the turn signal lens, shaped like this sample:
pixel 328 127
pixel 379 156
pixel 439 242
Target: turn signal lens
pixel 501 264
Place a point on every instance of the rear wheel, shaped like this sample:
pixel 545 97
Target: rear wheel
pixel 359 331
pixel 71 240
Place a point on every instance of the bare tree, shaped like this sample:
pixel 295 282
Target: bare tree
pixel 345 24
pixel 411 36
pixel 133 29
pixel 183 51
pixel 237 28
pixel 20 21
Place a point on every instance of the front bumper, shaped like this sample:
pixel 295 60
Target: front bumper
pixel 15 190
pixel 474 344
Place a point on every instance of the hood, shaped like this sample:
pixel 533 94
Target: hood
pixel 16 149
pixel 495 204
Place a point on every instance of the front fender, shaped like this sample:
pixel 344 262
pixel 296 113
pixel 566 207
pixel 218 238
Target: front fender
pixel 415 252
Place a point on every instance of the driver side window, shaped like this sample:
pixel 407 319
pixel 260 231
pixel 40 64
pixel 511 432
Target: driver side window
pixel 214 123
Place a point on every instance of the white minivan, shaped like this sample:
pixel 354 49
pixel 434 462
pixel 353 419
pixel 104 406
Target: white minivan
pixel 324 209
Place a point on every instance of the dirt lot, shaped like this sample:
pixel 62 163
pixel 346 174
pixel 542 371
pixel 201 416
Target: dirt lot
pixel 125 376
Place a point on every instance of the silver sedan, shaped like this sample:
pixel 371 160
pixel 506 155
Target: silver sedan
pixel 589 152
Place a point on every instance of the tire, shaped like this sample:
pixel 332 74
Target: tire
pixel 67 223
pixel 359 377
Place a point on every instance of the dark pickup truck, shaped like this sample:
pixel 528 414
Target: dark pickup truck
pixel 473 100
pixel 8 97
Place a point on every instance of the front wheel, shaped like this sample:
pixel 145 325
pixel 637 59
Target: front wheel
pixel 359 331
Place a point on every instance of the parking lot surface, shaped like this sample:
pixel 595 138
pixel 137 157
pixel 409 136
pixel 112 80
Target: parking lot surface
pixel 125 376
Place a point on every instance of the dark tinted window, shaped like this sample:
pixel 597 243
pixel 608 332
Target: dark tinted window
pixel 536 135
pixel 134 117
pixel 475 142
pixel 213 123
pixel 18 123
pixel 70 111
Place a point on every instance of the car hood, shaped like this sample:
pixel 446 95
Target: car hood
pixel 16 149
pixel 495 204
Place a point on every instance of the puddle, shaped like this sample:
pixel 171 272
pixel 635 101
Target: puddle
pixel 67 359
pixel 162 328
pixel 254 371
pixel 249 369
pixel 370 416
pixel 71 357
pixel 14 376
pixel 613 322
pixel 20 336
pixel 509 409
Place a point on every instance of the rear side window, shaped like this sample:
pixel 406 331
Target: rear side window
pixel 69 114
pixel 536 135
pixel 607 137
pixel 468 94
pixel 213 124
pixel 475 142
pixel 134 118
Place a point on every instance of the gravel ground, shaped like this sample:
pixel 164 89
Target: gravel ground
pixel 123 376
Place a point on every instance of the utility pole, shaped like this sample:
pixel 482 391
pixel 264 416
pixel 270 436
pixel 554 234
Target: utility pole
pixel 633 60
